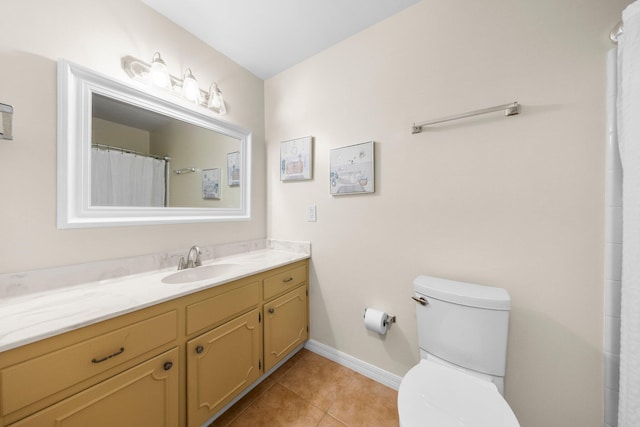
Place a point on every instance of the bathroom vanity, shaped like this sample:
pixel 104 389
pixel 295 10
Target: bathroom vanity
pixel 172 360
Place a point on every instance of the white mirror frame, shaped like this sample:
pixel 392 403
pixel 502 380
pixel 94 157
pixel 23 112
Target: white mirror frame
pixel 76 85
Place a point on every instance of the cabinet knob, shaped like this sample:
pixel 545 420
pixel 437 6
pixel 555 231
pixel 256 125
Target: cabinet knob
pixel 199 349
pixel 272 310
pixel 168 365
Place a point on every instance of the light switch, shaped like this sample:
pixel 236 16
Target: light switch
pixel 311 213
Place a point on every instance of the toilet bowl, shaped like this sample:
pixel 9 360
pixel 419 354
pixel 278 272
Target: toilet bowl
pixel 432 394
pixel 462 335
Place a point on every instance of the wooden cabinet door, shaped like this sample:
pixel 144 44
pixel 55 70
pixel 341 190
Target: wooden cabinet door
pixel 145 395
pixel 285 325
pixel 220 364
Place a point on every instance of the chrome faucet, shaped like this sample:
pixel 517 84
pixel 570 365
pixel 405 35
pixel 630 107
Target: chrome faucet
pixel 193 259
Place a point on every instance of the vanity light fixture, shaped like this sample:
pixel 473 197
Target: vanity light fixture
pixel 156 74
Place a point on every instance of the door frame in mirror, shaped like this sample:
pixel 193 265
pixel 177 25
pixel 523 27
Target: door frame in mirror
pixel 76 86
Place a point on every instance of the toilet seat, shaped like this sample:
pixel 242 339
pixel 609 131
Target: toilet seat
pixel 431 394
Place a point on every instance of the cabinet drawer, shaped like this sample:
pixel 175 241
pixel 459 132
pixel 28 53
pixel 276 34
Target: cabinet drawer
pixel 145 395
pixel 221 307
pixel 35 379
pixel 284 281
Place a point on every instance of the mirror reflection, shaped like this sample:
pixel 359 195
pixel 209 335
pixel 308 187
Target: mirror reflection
pixel 140 158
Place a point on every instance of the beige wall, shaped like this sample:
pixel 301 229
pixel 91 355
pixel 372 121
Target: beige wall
pixel 118 135
pixel 513 202
pixel 96 34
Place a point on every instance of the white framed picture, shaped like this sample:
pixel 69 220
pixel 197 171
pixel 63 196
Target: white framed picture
pixel 296 159
pixel 233 168
pixel 211 183
pixel 351 169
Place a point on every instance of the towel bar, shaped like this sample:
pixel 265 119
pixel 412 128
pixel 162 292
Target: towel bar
pixel 509 110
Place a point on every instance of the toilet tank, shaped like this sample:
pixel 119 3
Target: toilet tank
pixel 463 323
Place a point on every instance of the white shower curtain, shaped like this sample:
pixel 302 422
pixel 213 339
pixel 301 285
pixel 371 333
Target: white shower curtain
pixel 628 112
pixel 125 179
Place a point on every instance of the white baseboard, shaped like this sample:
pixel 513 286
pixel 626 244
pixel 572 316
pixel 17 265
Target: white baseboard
pixel 361 367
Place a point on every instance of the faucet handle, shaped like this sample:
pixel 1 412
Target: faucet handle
pixel 182 264
pixel 194 262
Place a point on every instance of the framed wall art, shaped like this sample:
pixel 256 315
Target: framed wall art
pixel 211 183
pixel 233 168
pixel 351 169
pixel 296 159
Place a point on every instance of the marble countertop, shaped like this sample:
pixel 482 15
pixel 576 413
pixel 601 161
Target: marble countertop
pixel 28 318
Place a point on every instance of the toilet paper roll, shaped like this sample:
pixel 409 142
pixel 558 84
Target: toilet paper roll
pixel 375 320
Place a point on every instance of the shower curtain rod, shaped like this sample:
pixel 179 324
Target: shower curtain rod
pixel 616 32
pixel 509 110
pixel 126 150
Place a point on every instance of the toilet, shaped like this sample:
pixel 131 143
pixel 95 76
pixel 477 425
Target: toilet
pixel 462 334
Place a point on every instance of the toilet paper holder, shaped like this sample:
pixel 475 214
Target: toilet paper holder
pixel 389 319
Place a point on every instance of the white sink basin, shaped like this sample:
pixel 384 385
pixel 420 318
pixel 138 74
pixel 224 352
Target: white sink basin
pixel 199 273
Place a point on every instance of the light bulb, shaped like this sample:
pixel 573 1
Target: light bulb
pixel 158 73
pixel 190 88
pixel 216 102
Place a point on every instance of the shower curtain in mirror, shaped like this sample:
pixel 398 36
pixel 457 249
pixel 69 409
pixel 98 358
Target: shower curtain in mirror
pixel 628 113
pixel 125 179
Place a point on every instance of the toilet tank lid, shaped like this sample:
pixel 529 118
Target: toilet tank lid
pixel 463 293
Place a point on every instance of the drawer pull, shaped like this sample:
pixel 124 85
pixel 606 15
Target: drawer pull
pixel 199 349
pixel 167 365
pixel 94 360
pixel 272 310
pixel 287 280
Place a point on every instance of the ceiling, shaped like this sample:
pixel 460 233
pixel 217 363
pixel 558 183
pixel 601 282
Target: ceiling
pixel 269 36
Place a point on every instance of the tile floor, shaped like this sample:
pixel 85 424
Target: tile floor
pixel 310 390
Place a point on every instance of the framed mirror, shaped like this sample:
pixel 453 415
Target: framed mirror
pixel 127 156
